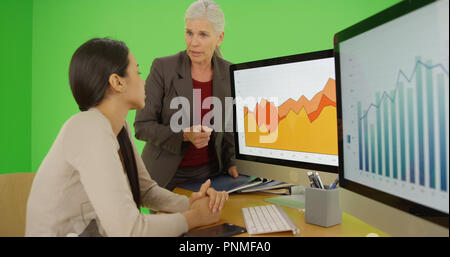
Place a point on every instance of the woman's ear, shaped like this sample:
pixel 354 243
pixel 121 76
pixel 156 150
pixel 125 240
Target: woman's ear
pixel 116 83
pixel 219 42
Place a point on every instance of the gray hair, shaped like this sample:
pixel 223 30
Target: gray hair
pixel 212 12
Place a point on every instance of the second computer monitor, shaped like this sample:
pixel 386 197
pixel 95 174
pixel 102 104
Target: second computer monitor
pixel 285 111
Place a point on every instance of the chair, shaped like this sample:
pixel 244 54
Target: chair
pixel 14 191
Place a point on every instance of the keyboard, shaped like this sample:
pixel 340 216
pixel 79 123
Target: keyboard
pixel 267 219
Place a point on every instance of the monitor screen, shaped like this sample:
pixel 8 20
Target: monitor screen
pixel 285 111
pixel 393 99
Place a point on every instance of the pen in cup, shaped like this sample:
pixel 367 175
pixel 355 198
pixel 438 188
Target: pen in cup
pixel 335 183
pixel 312 180
pixel 319 180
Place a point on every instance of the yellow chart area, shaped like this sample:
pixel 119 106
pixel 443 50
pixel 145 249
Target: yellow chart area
pixel 296 132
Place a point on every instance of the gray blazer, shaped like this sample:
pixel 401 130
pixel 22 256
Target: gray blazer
pixel 171 77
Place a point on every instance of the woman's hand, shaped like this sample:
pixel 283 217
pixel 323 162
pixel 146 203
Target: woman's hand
pixel 199 214
pixel 232 171
pixel 198 135
pixel 201 193
pixel 216 199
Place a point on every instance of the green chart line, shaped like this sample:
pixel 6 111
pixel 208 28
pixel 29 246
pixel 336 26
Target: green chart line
pixel 380 157
pixel 430 105
pixel 420 130
pixel 394 138
pixel 412 175
pixel 372 146
pixel 442 131
pixel 401 110
pixel 386 138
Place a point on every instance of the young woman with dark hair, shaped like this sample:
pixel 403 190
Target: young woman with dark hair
pixel 93 181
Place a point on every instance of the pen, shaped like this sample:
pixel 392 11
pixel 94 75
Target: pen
pixel 320 181
pixel 311 179
pixel 334 183
pixel 316 182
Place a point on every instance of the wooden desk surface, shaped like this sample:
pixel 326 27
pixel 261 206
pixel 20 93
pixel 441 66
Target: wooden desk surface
pixel 231 213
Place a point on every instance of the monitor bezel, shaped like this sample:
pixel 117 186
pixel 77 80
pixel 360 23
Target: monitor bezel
pixel 416 209
pixel 323 54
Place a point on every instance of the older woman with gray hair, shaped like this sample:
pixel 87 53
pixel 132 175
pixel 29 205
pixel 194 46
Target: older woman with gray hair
pixel 200 76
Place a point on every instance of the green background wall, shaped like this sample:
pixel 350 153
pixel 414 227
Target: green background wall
pixel 15 85
pixel 39 37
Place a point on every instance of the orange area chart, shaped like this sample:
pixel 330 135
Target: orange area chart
pixel 303 125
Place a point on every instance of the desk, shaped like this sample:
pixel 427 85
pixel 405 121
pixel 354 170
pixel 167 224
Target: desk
pixel 231 213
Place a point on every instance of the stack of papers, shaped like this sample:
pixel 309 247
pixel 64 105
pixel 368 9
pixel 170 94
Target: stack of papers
pixel 241 184
pixel 274 187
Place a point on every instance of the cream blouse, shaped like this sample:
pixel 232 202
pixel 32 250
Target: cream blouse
pixel 82 179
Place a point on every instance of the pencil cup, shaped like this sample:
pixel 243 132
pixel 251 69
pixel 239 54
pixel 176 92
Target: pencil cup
pixel 322 207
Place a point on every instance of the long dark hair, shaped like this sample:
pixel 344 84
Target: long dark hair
pixel 90 68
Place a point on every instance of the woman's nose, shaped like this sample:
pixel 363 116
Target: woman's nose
pixel 195 40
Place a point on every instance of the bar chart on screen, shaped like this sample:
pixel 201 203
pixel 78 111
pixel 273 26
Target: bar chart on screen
pixel 388 144
pixel 391 130
pixel 395 107
pixel 400 132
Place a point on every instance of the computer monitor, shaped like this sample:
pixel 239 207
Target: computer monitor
pixel 285 111
pixel 392 74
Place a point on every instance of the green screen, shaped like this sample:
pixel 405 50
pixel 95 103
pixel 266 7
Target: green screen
pixel 254 29
pixel 15 93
